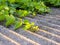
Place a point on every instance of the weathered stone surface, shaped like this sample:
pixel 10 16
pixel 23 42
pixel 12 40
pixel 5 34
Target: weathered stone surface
pixel 19 39
pixel 4 41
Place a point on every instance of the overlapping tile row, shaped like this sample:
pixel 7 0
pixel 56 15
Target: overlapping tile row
pixel 15 38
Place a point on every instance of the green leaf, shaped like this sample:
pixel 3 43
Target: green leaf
pixel 27 26
pixel 2 17
pixel 26 21
pixel 18 24
pixel 10 19
pixel 22 13
pixel 11 1
pixel 34 28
